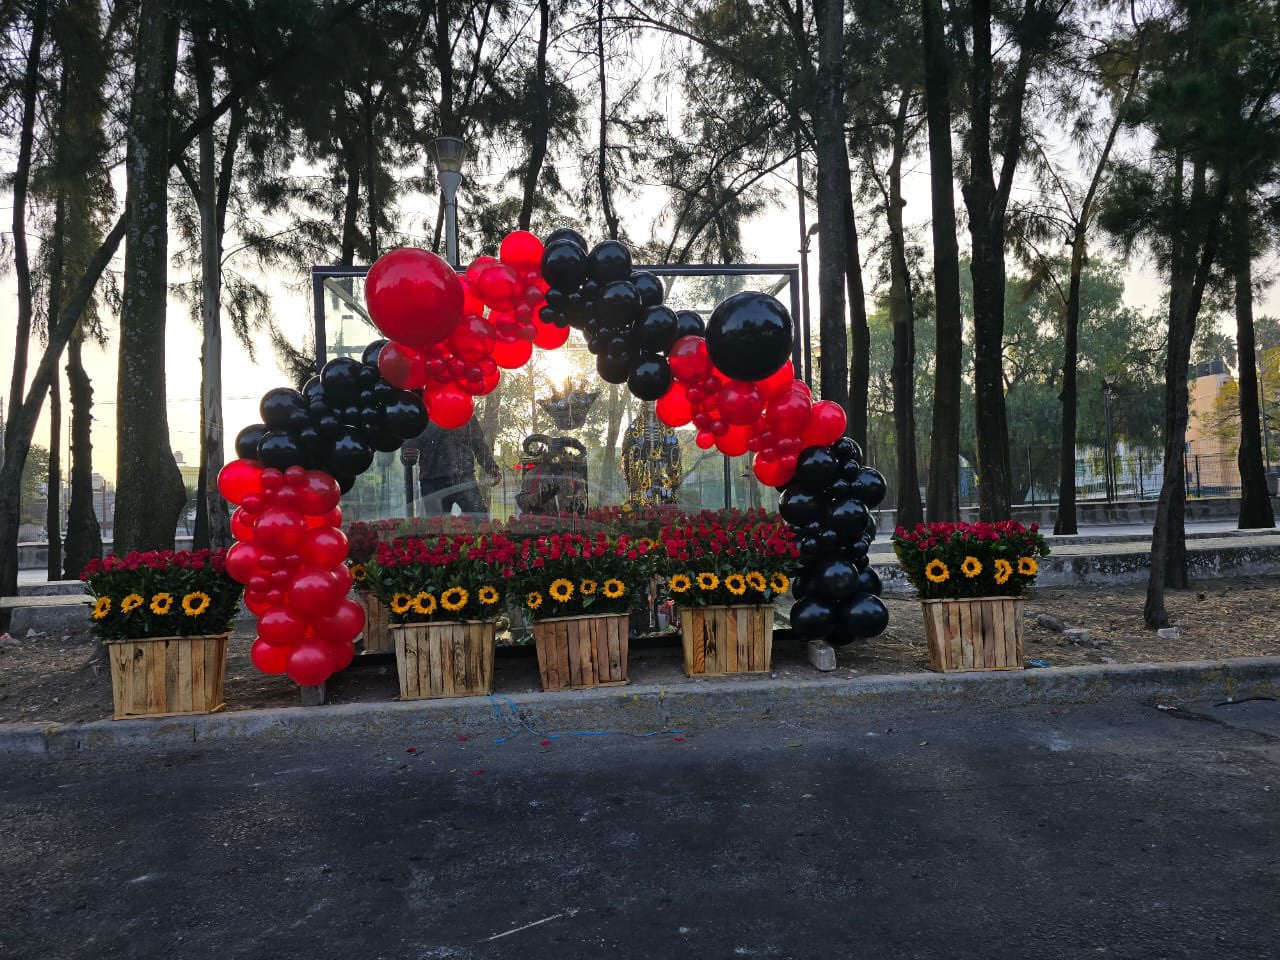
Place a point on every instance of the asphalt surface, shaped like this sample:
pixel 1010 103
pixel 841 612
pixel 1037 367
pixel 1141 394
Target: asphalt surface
pixel 1114 830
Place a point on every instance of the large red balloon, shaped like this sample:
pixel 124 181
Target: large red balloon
pixel 414 296
pixel 282 627
pixel 740 402
pixel 826 425
pixel 280 530
pixel 789 413
pixel 521 249
pixel 549 337
pixel 269 659
pixel 450 407
pixel 402 366
pixel 733 443
pixel 498 286
pixel 512 352
pixel 323 547
pixel 776 383
pixel 239 479
pixel 472 339
pixel 689 359
pixel 315 593
pixel 242 562
pixel 343 625
pixel 673 407
pixel 320 493
pixel 309 664
pixel 774 472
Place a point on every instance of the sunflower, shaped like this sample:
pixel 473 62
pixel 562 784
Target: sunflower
pixel 937 572
pixel 779 583
pixel 454 599
pixel 533 600
pixel 131 603
pixel 487 595
pixel 358 572
pixel 613 589
pixel 588 587
pixel 1027 566
pixel 194 604
pixel 680 583
pixel 708 581
pixel 560 590
pixel 1004 570
pixel 101 608
pixel 971 567
pixel 400 603
pixel 756 581
pixel 424 603
pixel 162 603
pixel 736 584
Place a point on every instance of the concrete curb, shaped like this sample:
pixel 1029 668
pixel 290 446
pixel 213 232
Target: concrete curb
pixel 644 709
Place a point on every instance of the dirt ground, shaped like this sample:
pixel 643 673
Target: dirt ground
pixel 45 678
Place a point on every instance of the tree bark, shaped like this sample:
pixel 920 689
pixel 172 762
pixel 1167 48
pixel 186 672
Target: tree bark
pixel 53 485
pixel 859 333
pixel 84 536
pixel 943 495
pixel 1065 521
pixel 540 132
pixel 1255 499
pixel 602 165
pixel 149 491
pixel 351 206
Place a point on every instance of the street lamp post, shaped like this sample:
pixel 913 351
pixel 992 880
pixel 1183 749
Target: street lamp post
pixel 450 152
pixel 1108 393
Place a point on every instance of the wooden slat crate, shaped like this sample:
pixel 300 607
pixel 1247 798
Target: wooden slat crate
pixel 977 634
pixel 579 652
pixel 377 623
pixel 167 676
pixel 447 659
pixel 722 640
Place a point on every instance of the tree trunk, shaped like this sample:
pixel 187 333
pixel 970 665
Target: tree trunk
pixel 1065 522
pixel 149 489
pixel 602 166
pixel 943 495
pixel 351 207
pixel 84 537
pixel 859 334
pixel 1255 499
pixel 540 132
pixel 609 462
pixel 53 486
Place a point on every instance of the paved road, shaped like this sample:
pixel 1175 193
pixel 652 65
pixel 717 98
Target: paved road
pixel 1103 831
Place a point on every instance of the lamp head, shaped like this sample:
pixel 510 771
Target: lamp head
pixel 450 153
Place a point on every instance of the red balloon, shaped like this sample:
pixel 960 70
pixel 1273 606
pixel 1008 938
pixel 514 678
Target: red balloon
pixel 257 603
pixel 498 286
pixel 242 524
pixel 521 249
pixel 343 575
pixel 734 441
pixel 826 425
pixel 320 494
pixel 309 664
pixel 272 480
pixel 512 352
pixel 280 530
pixel 323 547
pixel 343 625
pixel 403 366
pixel 689 359
pixel 789 413
pixel 315 593
pixel 740 402
pixel 674 408
pixel 331 519
pixel 549 336
pixel 472 339
pixel 281 627
pixel 773 473
pixel 242 562
pixel 776 383
pixel 239 479
pixel 267 658
pixel 294 476
pixel 705 439
pixel 449 406
pixel 476 267
pixel 340 655
pixel 414 296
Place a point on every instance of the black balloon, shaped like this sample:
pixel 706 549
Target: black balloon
pixel 829 542
pixel 384 440
pixel 247 441
pixel 279 406
pixel 839 489
pixel 370 356
pixel 350 456
pixel 650 378
pixel 340 378
pixel 861 561
pixel 869 487
pixel 280 449
pixel 564 265
pixel 815 469
pixel 749 336
pixel 328 425
pixel 808 546
pixel 567 233
pixel 613 368
pixel 811 619
pixel 619 305
pixel 404 415
pixel 870 533
pixel 799 587
pixel 865 617
pixel 609 261
pixel 869 581
pixel 849 518
pixel 650 287
pixel 345 482
pixel 657 330
pixel 799 507
pixel 689 324
pixel 313 390
pixel 835 580
pixel 850 470
pixel 846 449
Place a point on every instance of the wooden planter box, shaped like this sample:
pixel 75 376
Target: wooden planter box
pixel 446 659
pixel 579 652
pixel 377 624
pixel 167 676
pixel 978 634
pixel 721 640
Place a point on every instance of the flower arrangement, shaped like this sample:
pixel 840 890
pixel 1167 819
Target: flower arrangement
pixel 573 574
pixel 728 559
pixel 161 594
pixel 460 577
pixel 953 560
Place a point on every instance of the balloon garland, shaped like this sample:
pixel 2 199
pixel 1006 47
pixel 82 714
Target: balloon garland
pixel 448 338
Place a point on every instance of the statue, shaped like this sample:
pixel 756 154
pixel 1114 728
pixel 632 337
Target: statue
pixel 553 469
pixel 651 461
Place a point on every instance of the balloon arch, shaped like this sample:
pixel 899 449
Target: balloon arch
pixel 448 339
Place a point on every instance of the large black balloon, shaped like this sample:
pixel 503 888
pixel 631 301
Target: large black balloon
pixel 815 468
pixel 404 415
pixel 689 324
pixel 865 617
pixel 869 486
pixel 340 378
pixel 835 580
pixel 650 378
pixel 567 233
pixel 384 440
pixel 609 261
pixel 280 449
pixel 370 355
pixel 846 449
pixel 869 581
pixel 564 265
pixel 619 305
pixel 247 441
pixel 650 287
pixel 312 389
pixel 656 330
pixel 749 336
pixel 613 368
pixel 811 619
pixel 799 507
pixel 279 407
pixel 849 518
pixel 350 456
